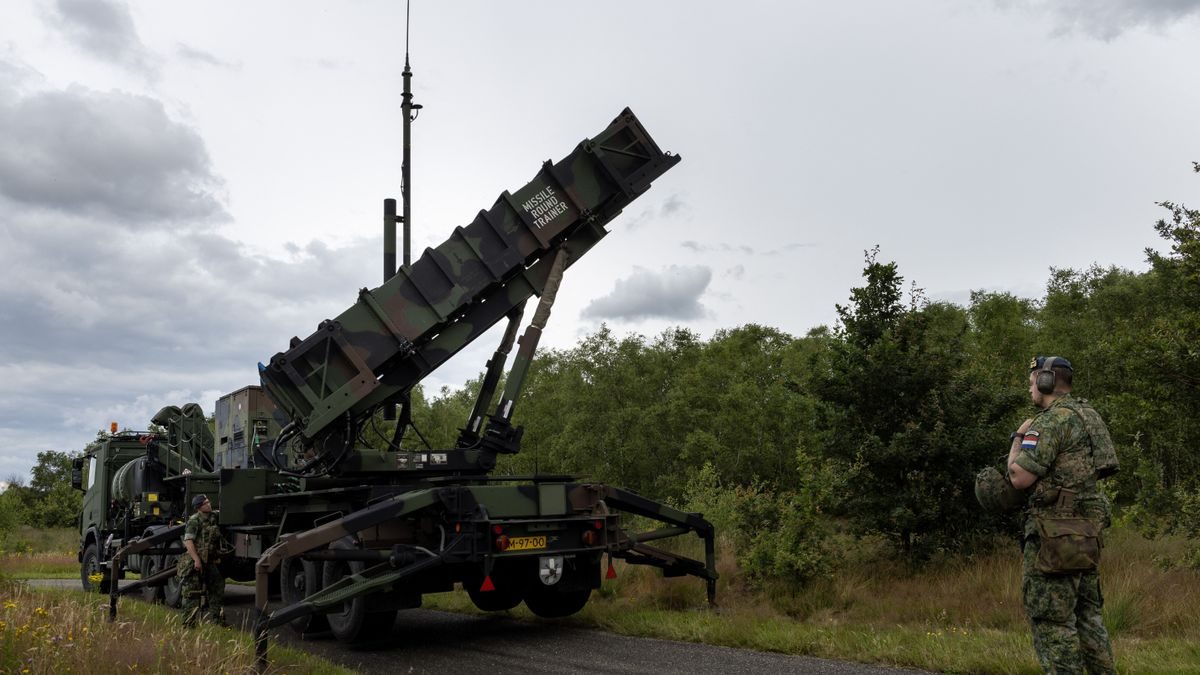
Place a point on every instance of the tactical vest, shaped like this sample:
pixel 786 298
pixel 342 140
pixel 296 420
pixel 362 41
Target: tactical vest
pixel 1104 453
pixel 1070 488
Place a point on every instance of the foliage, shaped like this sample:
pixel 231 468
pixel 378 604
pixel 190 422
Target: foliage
pixel 905 418
pixel 48 500
pixel 778 535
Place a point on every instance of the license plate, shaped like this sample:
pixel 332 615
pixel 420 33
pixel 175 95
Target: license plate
pixel 526 543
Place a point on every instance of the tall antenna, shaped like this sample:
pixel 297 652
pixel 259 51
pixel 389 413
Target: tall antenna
pixel 409 112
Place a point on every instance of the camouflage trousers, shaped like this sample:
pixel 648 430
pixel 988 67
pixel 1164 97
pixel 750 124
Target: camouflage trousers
pixel 202 594
pixel 1064 613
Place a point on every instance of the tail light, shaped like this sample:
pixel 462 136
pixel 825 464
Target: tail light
pixel 502 542
pixel 589 537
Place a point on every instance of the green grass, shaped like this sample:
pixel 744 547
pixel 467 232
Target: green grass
pixel 958 616
pixel 58 631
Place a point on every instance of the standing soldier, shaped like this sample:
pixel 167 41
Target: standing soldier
pixel 1060 453
pixel 201 583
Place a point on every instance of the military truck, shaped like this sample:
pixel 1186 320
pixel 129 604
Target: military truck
pixel 352 532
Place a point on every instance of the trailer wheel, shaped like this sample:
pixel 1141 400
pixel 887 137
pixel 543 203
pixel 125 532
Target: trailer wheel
pixel 89 567
pixel 569 594
pixel 299 579
pixel 553 603
pixel 172 593
pixel 151 565
pixel 354 622
pixel 510 582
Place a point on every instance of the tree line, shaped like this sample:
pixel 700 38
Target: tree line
pixel 877 425
pixel 873 427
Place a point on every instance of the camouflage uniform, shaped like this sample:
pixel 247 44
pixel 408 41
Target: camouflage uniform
pixel 207 586
pixel 1064 610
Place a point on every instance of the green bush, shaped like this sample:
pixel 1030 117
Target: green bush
pixel 777 535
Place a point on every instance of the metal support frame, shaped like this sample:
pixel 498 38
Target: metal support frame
pixel 137 546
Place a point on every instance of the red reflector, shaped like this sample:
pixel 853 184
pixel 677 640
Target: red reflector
pixel 502 542
pixel 612 571
pixel 496 529
pixel 599 524
pixel 487 584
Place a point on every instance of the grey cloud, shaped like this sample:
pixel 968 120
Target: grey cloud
pixel 736 272
pixel 195 55
pixel 673 205
pixel 100 323
pixel 788 248
pixel 104 29
pixel 1108 19
pixel 717 248
pixel 107 154
pixel 739 248
pixel 672 294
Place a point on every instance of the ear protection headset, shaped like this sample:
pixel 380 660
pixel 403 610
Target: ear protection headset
pixel 1046 379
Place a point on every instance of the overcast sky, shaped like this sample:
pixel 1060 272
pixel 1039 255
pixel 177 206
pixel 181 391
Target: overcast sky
pixel 184 186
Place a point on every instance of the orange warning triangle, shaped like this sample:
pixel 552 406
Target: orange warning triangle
pixel 612 571
pixel 487 584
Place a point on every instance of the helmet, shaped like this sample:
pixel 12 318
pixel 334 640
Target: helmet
pixel 995 492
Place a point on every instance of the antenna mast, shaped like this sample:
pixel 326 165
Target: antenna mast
pixel 409 111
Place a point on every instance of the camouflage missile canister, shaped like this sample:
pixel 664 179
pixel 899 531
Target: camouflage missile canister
pixel 398 333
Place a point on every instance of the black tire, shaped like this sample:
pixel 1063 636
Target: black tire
pixel 550 602
pixel 510 582
pixel 151 565
pixel 355 622
pixel 570 594
pixel 299 579
pixel 172 593
pixel 89 566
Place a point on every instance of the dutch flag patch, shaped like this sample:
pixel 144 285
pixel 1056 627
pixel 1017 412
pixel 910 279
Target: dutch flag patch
pixel 1030 441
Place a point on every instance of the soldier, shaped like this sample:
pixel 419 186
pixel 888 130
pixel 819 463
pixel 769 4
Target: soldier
pixel 202 585
pixel 1057 455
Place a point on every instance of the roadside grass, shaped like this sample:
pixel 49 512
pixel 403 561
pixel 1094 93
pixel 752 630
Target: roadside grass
pixel 60 631
pixel 34 553
pixel 957 616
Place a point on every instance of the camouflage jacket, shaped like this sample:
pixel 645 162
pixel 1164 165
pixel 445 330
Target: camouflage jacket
pixel 1058 450
pixel 202 528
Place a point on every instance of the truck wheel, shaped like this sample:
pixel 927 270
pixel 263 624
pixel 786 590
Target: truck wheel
pixel 299 579
pixel 354 622
pixel 510 582
pixel 549 602
pixel 172 594
pixel 151 565
pixel 569 594
pixel 90 567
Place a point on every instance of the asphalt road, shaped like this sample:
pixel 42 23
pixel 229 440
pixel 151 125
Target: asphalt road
pixel 425 641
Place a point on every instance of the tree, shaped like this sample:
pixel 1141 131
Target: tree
pixel 904 415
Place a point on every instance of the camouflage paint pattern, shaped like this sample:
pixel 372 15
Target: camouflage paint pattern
pixel 428 311
pixel 1065 617
pixel 202 590
pixel 1064 610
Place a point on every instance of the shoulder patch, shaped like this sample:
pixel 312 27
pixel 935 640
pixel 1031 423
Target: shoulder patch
pixel 1030 441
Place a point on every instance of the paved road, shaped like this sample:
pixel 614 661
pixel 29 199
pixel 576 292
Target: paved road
pixel 425 641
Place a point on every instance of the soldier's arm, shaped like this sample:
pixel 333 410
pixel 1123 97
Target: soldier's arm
pixel 189 543
pixel 191 550
pixel 1037 452
pixel 1018 475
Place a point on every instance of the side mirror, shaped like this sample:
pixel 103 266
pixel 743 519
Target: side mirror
pixel 77 473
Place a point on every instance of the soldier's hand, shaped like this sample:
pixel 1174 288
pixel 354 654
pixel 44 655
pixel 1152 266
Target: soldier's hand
pixel 196 564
